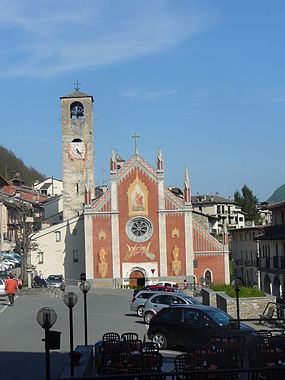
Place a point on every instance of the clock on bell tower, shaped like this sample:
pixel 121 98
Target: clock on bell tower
pixel 77 150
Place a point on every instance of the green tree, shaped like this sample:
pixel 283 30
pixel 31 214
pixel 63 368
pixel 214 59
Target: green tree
pixel 248 203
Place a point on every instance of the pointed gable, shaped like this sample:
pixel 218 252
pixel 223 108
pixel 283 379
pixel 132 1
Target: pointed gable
pixel 136 162
pixel 103 204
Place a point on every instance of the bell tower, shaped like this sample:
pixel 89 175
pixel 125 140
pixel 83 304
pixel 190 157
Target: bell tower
pixel 77 151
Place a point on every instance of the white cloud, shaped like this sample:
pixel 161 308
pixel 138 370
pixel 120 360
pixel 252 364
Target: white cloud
pixel 147 94
pixel 47 40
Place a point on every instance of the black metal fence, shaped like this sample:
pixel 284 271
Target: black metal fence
pixel 275 373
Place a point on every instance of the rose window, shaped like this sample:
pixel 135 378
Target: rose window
pixel 139 229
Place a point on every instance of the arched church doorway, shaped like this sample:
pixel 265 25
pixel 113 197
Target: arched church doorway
pixel 208 277
pixel 137 278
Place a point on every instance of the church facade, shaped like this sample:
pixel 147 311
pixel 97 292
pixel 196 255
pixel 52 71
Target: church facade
pixel 139 231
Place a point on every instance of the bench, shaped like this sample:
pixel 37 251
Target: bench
pixel 268 313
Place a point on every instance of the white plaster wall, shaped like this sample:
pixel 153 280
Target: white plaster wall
pixel 58 255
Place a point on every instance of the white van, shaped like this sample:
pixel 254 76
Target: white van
pixel 167 283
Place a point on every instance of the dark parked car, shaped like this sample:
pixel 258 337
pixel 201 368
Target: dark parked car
pixel 188 326
pixel 56 281
pixel 161 300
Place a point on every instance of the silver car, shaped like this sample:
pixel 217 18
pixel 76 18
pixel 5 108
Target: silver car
pixel 140 299
pixel 158 301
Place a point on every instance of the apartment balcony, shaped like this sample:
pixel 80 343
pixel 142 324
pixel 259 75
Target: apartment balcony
pixel 239 262
pixel 275 232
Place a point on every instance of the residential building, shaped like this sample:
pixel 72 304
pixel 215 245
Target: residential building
pixel 225 210
pixel 245 254
pixel 272 252
pixel 50 186
pixel 14 198
pixel 265 213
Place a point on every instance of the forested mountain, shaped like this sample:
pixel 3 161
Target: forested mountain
pixel 10 165
pixel 278 195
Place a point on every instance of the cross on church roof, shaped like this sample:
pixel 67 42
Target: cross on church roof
pixel 136 143
pixel 77 84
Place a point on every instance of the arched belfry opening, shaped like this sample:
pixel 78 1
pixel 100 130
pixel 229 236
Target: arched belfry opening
pixel 76 110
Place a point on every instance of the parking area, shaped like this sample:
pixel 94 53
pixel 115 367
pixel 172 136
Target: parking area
pixel 21 336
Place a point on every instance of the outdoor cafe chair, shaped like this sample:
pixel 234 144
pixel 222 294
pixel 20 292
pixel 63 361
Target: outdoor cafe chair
pixel 150 347
pixel 129 336
pixel 112 347
pixel 132 346
pixel 152 361
pixel 111 336
pixel 263 338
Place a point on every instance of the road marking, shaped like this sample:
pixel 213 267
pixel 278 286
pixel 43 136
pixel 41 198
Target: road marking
pixel 5 307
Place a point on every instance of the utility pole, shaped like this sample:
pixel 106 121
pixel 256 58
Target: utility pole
pixel 24 258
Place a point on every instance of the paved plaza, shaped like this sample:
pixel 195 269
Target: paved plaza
pixel 21 346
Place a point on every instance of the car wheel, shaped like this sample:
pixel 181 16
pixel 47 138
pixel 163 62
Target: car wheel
pixel 140 311
pixel 160 339
pixel 148 317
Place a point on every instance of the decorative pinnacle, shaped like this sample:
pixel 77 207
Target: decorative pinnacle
pixel 159 153
pixel 186 177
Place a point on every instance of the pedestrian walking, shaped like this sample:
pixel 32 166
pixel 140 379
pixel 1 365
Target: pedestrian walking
pixel 11 286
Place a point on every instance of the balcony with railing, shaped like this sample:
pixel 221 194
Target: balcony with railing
pixel 274 232
pixel 239 262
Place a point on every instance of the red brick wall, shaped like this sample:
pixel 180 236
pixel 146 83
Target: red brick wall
pixel 175 221
pixel 213 262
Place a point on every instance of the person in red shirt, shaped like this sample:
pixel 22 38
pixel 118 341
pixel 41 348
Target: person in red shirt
pixel 11 286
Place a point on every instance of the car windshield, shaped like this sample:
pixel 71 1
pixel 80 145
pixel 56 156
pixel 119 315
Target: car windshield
pixel 220 317
pixel 193 300
pixel 54 278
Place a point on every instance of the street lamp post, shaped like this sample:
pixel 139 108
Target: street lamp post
pixel 70 299
pixel 46 318
pixel 237 289
pixel 85 287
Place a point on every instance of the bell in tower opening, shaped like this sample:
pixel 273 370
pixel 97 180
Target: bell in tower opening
pixel 76 110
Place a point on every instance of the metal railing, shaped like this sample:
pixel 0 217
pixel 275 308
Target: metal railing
pixel 252 373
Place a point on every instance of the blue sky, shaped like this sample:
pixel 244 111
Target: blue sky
pixel 204 80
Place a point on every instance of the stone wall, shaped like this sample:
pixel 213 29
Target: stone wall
pixel 250 307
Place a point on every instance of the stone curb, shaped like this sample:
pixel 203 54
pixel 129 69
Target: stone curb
pixel 39 292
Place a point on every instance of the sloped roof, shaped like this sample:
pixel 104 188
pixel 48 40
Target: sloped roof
pixel 211 199
pixel 77 94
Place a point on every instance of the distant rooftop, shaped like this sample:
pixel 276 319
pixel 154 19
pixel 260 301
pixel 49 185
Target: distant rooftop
pixel 203 198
